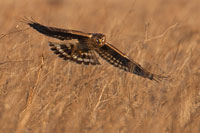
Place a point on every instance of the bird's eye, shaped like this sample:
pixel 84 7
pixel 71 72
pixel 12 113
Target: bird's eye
pixel 97 40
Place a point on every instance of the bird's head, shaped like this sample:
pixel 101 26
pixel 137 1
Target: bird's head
pixel 100 39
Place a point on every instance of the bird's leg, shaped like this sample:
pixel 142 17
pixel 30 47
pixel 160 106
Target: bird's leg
pixel 73 50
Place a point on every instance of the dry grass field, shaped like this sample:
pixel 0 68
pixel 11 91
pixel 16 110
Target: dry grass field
pixel 40 92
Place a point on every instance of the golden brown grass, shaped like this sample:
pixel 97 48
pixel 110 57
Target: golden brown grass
pixel 163 36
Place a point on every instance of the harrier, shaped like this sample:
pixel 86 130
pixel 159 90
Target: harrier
pixel 83 50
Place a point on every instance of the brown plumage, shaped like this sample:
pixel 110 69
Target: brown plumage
pixel 83 51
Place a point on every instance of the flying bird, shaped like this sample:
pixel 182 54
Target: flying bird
pixel 83 50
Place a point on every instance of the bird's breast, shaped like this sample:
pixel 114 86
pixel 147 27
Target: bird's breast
pixel 89 44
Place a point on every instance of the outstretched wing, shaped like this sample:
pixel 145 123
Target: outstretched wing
pixel 117 58
pixel 62 34
pixel 69 52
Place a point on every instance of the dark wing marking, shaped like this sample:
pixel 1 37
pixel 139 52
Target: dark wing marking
pixel 62 34
pixel 81 57
pixel 117 58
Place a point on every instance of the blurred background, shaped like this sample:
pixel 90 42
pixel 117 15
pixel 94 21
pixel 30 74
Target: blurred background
pixel 40 92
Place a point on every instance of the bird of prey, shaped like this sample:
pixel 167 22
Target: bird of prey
pixel 83 50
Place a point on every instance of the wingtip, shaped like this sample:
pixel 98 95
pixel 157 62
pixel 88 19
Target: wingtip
pixel 28 20
pixel 159 78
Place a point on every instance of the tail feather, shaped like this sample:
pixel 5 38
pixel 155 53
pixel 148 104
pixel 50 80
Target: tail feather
pixel 69 52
